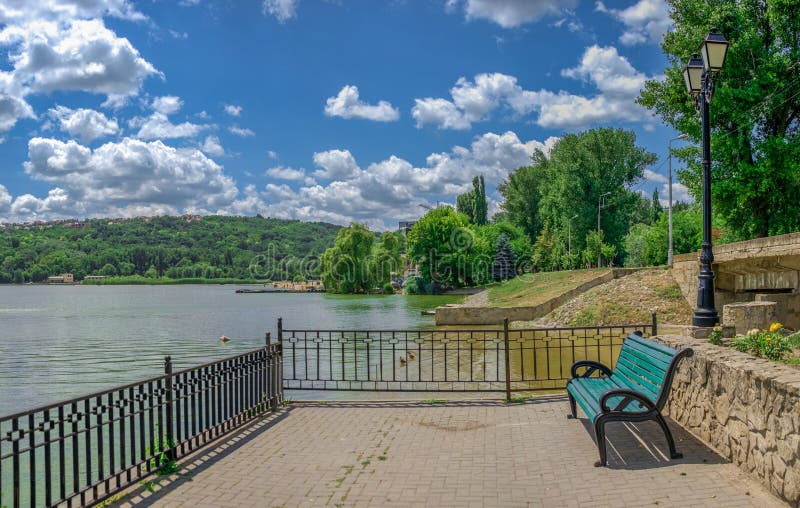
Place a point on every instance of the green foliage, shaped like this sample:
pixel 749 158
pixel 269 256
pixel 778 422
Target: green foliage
pixel 649 245
pixel 542 198
pixel 754 143
pixel 504 265
pixel 388 289
pixel 346 265
pixel 656 208
pixel 715 336
pixel 216 247
pixel 473 203
pixel 451 252
pixel 766 344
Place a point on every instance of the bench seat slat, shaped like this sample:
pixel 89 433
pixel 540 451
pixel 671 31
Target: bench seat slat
pixel 651 345
pixel 637 374
pixel 657 359
pixel 634 382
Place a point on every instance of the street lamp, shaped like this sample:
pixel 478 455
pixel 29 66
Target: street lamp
pixel 670 253
pixel 699 77
pixel 601 203
pixel 569 234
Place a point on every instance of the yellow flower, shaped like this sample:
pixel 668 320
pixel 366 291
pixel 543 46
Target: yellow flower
pixel 769 339
pixel 775 327
pixel 754 331
pixel 718 328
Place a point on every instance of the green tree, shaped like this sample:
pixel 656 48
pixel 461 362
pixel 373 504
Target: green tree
pixel 473 203
pixel 580 169
pixel 657 209
pixel 522 193
pixel 440 244
pixel 504 265
pixel 345 266
pixel 754 116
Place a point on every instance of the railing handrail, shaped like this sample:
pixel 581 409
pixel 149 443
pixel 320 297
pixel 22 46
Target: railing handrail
pixel 463 330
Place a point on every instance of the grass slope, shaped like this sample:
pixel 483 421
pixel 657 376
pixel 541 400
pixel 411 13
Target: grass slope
pixel 533 289
pixel 629 300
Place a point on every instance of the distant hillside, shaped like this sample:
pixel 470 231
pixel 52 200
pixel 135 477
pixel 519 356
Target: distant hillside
pixel 212 247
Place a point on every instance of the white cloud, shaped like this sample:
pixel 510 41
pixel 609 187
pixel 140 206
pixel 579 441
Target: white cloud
pixel 652 176
pixel 616 80
pixel 5 199
pixel 241 131
pixel 84 124
pixel 645 21
pixel 391 189
pixel 511 13
pixel 178 35
pixel 286 173
pixel 212 146
pixel 347 104
pixel 122 178
pixel 233 110
pixel 272 154
pixel 440 112
pixel 158 124
pixel 14 11
pixel 12 109
pixel 168 104
pixel 335 164
pixel 78 55
pixel 283 10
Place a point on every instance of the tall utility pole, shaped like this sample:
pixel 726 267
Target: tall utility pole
pixel 670 254
pixel 601 203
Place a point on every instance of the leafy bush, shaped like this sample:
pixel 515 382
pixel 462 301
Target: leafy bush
pixel 388 289
pixel 772 344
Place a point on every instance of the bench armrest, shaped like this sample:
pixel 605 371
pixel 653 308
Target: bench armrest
pixel 628 396
pixel 591 367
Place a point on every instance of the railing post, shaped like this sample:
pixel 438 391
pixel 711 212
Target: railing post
pixel 268 375
pixel 169 446
pixel 508 360
pixel 655 324
pixel 278 363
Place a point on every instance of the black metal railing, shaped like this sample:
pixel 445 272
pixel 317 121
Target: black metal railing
pixel 446 359
pixel 80 451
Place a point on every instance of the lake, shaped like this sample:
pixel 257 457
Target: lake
pixel 59 342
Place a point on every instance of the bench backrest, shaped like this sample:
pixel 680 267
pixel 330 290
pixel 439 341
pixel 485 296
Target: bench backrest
pixel 648 367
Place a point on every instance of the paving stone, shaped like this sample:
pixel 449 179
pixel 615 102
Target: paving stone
pixel 462 453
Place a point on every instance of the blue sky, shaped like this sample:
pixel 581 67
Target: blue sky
pixel 338 110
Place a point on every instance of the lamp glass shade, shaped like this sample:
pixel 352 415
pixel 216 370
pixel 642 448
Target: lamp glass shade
pixel 693 75
pixel 714 50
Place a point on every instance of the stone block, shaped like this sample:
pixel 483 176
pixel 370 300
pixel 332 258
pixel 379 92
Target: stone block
pixel 748 315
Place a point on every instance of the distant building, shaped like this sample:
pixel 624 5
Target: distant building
pixel 94 277
pixel 64 278
pixel 405 227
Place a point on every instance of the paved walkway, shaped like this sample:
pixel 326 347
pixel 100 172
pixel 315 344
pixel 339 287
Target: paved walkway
pixel 470 453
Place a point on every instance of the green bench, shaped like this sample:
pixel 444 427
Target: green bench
pixel 635 391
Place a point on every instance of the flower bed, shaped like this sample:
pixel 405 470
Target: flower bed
pixel 777 344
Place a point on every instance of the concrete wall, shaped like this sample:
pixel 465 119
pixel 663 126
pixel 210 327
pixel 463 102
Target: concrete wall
pixel 787 312
pixel 747 409
pixel 464 315
pixel 742 269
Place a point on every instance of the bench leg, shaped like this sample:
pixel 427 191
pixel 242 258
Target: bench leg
pixel 600 434
pixel 674 454
pixel 572 407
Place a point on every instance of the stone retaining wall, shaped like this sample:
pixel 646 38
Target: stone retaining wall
pixel 747 409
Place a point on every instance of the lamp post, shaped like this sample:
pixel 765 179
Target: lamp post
pixel 569 234
pixel 601 203
pixel 670 254
pixel 699 77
